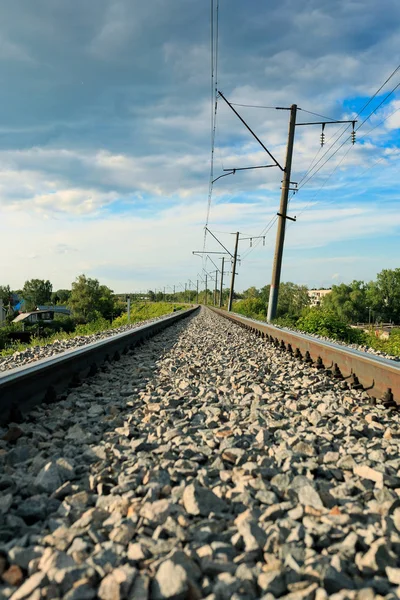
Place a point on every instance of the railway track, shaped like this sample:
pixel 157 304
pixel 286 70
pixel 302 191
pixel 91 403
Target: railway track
pixel 205 464
pixel 42 381
pixel 379 377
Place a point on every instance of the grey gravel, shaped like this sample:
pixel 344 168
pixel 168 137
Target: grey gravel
pixel 33 353
pixel 204 464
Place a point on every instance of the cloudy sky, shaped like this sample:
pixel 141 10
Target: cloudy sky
pixel 105 139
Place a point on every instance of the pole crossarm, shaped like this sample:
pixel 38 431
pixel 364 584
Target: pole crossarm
pixel 251 131
pixel 326 122
pixel 253 237
pixel 208 252
pixel 247 169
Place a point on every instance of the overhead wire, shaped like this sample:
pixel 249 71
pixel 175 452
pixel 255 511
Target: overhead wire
pixel 346 127
pixel 214 39
pixel 312 203
pixel 271 223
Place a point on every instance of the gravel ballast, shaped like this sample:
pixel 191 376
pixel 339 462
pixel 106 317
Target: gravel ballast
pixel 34 353
pixel 205 464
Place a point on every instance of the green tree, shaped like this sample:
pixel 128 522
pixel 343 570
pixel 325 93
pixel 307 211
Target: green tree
pixel 5 293
pixel 36 292
pixel 348 302
pixel 252 292
pixel 60 296
pixel 264 293
pixel 383 295
pixel 292 299
pixel 89 300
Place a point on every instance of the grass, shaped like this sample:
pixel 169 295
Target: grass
pixel 139 312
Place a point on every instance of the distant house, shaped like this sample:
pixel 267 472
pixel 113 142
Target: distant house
pixel 316 296
pixel 41 315
pixel 59 309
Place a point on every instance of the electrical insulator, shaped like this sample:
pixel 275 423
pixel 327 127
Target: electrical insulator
pixel 322 135
pixel 251 242
pixel 263 240
pixel 353 134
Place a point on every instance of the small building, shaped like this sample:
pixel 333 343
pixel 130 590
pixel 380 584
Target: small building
pixel 40 316
pixel 58 309
pixel 316 296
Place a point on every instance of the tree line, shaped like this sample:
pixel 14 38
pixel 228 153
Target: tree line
pixel 375 301
pixel 87 299
pixel 359 301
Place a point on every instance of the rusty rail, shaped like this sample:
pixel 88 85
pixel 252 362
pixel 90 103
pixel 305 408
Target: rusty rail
pixel 379 377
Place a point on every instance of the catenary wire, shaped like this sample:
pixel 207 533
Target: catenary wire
pixel 343 130
pixel 246 254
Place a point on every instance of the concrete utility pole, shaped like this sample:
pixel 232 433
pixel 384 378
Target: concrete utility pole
pixel 280 235
pixel 222 282
pixel 128 299
pixel 205 300
pixel 216 287
pixel 233 273
pixel 197 291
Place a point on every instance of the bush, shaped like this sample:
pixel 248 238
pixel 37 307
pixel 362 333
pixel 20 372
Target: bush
pixel 328 324
pixel 100 324
pixel 5 335
pixel 255 308
pixel 390 346
pixel 289 321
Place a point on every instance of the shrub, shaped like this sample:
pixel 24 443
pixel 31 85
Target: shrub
pixel 328 324
pixel 5 332
pixel 254 308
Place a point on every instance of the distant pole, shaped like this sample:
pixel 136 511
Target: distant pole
pixel 164 294
pixel 233 273
pixel 216 287
pixel 197 291
pixel 185 298
pixel 222 282
pixel 205 301
pixel 128 298
pixel 280 235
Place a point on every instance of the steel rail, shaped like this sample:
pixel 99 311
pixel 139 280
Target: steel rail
pixel 44 380
pixel 379 377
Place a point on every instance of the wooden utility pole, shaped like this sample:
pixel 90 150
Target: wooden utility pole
pixel 233 273
pixel 222 282
pixel 280 235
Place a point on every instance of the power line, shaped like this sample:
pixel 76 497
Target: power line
pixel 312 203
pixel 358 114
pixel 214 40
pixel 316 114
pixel 272 222
pixel 343 143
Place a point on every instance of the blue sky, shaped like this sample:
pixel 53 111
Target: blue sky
pixel 105 138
